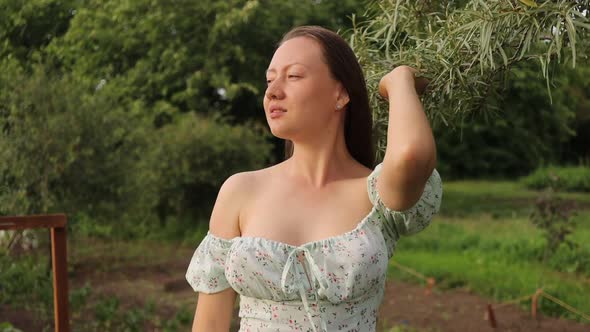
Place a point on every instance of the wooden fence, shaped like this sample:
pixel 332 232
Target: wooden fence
pixel 57 225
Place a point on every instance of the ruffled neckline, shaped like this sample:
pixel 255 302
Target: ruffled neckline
pixel 314 243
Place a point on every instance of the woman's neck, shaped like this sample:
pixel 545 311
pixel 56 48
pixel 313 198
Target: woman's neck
pixel 319 161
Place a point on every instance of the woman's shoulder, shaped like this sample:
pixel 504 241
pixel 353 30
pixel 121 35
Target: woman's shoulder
pixel 238 182
pixel 248 180
pixel 243 185
pixel 233 195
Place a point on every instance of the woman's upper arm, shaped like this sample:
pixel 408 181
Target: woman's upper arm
pixel 402 180
pixel 409 221
pixel 215 310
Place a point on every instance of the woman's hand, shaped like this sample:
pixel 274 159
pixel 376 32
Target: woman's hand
pixel 404 75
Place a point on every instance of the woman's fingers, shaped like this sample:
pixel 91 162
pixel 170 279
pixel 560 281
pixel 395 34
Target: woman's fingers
pixel 386 82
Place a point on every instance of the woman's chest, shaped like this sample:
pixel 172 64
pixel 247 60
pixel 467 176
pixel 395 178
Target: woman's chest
pixel 342 268
pixel 294 217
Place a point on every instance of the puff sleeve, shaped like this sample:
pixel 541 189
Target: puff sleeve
pixel 397 223
pixel 206 271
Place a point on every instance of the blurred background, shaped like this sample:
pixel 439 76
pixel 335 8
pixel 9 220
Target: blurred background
pixel 129 115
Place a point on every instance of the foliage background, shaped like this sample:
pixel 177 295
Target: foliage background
pixel 146 106
pixel 129 115
pixel 134 112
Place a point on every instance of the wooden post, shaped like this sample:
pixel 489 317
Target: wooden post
pixel 535 302
pixel 57 224
pixel 491 316
pixel 430 282
pixel 60 278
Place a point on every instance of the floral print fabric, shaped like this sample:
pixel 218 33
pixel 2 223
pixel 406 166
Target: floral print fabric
pixel 334 284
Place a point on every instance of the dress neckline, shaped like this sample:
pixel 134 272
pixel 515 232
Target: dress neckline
pixel 358 226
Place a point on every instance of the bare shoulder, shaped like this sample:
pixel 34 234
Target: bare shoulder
pixel 237 184
pixel 232 197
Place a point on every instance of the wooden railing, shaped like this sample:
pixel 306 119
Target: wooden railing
pixel 57 224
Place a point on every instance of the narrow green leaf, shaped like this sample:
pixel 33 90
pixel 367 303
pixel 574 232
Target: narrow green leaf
pixel 530 3
pixel 571 31
pixel 581 24
pixel 396 13
pixel 504 57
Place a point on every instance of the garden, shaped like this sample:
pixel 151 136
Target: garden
pixel 128 116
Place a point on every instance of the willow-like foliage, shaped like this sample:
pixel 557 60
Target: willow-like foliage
pixel 465 51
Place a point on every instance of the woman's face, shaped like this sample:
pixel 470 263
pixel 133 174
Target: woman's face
pixel 301 96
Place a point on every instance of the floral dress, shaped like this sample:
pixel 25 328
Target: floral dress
pixel 333 284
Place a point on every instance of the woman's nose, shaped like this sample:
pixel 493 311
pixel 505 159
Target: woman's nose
pixel 274 90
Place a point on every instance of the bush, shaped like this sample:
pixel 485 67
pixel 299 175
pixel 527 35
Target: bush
pixel 571 259
pixel 559 178
pixel 7 327
pixel 64 146
pixel 189 160
pixel 68 146
pixel 26 282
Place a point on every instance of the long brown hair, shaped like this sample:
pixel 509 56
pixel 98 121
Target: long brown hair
pixel 344 67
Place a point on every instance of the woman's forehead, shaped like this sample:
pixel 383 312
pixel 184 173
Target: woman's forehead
pixel 302 51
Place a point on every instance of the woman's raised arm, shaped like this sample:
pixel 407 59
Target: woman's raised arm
pixel 410 156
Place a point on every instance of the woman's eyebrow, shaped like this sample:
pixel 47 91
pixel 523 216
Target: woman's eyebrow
pixel 272 70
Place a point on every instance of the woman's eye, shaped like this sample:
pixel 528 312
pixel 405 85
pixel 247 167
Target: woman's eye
pixel 293 76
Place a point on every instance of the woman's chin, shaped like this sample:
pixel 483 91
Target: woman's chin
pixel 279 135
pixel 280 132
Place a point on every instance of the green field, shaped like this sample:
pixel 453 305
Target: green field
pixel 484 240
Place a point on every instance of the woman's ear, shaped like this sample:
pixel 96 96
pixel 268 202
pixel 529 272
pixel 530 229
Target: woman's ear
pixel 342 99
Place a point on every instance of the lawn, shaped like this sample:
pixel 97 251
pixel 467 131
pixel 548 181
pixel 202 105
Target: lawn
pixel 483 240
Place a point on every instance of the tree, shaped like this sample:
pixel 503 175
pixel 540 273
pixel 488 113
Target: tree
pixel 204 56
pixel 62 147
pixel 526 131
pixel 26 27
pixel 466 51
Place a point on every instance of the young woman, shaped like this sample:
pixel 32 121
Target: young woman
pixel 306 242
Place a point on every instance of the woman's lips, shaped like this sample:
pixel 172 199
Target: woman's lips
pixel 277 113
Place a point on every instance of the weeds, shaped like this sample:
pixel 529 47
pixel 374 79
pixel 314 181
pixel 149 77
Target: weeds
pixel 553 216
pixel 7 327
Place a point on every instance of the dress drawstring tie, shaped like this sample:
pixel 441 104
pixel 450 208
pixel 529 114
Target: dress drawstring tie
pixel 298 282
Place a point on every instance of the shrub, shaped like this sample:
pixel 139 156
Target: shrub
pixel 189 160
pixel 70 147
pixel 571 259
pixel 64 146
pixel 7 327
pixel 559 178
pixel 26 282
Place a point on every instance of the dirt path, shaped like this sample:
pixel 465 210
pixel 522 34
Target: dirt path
pixel 405 305
pixel 458 310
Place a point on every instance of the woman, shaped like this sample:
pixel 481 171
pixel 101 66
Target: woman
pixel 306 242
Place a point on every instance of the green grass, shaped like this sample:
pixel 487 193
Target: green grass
pixel 496 278
pixel 484 241
pixel 498 199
